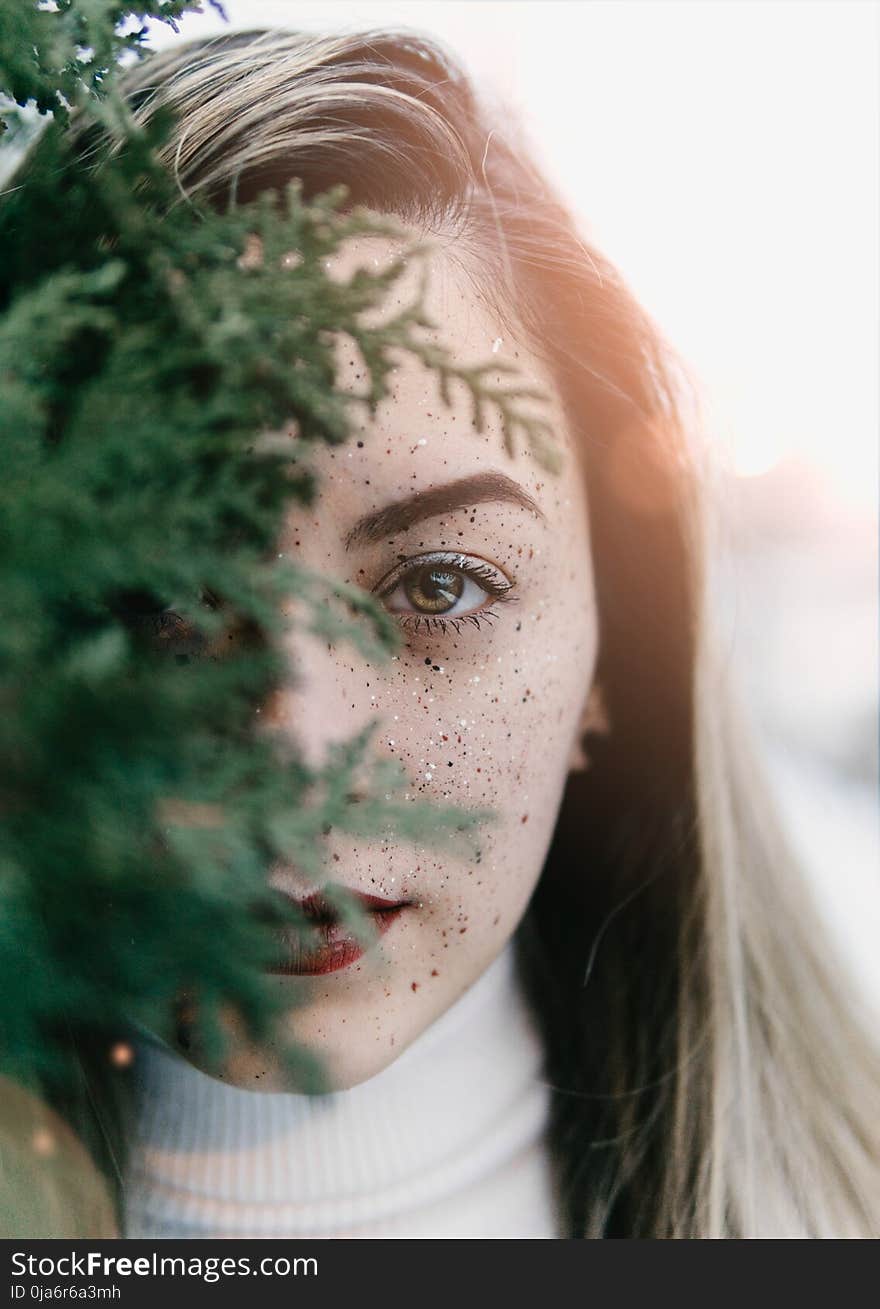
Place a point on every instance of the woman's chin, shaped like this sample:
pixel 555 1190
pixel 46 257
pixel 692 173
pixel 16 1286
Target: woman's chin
pixel 324 1053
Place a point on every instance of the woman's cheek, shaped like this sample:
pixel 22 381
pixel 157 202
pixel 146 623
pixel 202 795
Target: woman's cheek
pixel 491 731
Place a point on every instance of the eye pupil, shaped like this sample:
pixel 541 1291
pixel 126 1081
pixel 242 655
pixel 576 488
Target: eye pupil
pixel 434 589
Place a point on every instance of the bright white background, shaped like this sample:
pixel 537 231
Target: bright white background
pixel 725 156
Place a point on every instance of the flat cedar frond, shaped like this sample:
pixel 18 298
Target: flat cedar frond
pixel 140 362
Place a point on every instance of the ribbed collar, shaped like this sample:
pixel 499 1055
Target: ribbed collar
pixel 446 1141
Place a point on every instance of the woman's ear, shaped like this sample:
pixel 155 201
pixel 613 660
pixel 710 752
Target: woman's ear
pixel 594 722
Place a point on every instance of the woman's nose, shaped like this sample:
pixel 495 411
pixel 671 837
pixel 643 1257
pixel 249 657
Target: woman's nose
pixel 320 703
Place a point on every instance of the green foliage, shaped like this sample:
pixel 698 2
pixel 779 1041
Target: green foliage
pixel 141 363
pixel 57 53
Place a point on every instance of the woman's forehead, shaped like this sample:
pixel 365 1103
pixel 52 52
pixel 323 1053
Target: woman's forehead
pixel 425 458
pixel 416 441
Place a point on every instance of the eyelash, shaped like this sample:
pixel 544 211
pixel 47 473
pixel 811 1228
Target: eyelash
pixel 146 613
pixel 487 578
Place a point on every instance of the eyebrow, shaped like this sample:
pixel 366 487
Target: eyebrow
pixel 461 494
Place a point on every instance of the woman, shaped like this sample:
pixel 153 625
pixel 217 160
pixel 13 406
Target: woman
pixel 621 1020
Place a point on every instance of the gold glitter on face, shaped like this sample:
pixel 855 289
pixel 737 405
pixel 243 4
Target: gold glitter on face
pixel 489 574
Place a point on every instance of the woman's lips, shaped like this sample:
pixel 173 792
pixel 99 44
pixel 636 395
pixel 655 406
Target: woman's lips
pixel 324 944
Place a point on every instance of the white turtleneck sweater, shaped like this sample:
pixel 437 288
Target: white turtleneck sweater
pixel 447 1141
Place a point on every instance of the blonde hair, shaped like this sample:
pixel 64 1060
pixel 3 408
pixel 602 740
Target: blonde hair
pixel 715 1077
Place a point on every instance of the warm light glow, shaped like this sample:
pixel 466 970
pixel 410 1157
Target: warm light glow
pixel 43 1142
pixel 122 1054
pixel 725 157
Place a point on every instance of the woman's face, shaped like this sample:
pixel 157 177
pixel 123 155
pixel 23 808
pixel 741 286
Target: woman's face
pixel 483 704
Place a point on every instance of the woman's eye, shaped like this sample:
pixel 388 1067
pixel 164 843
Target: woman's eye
pixel 166 625
pixel 442 588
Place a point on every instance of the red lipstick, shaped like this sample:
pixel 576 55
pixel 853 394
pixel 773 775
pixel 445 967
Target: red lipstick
pixel 323 944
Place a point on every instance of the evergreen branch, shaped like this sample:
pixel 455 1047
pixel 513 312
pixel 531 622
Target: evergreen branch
pixel 399 332
pixel 60 57
pixel 154 375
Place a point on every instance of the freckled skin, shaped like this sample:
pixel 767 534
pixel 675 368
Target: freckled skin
pixel 484 716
